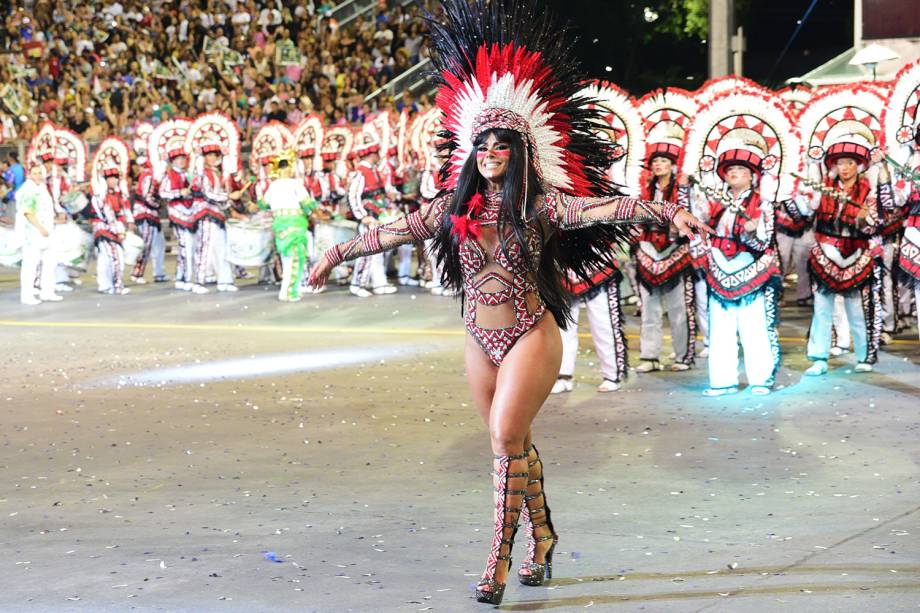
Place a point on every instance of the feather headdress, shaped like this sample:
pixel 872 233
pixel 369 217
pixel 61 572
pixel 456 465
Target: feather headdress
pixel 508 64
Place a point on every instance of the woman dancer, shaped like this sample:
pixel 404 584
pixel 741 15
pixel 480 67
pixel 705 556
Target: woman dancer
pixel 520 143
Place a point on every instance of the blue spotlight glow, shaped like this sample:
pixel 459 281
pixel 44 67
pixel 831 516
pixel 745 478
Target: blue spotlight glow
pixel 260 366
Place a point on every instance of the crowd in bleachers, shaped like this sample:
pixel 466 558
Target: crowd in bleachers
pixel 102 67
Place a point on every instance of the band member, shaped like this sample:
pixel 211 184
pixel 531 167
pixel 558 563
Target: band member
pixel 175 191
pixel 367 193
pixel 112 216
pixel 34 224
pixel 664 269
pixel 601 300
pixel 844 200
pixel 291 206
pixel 740 152
pixel 146 210
pixel 901 125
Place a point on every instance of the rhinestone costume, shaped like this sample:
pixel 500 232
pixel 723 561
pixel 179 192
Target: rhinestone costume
pixel 502 299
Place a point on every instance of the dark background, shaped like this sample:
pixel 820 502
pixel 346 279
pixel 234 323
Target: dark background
pixel 643 57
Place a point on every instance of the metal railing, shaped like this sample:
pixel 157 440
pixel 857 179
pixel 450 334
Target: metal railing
pixel 344 12
pixel 414 79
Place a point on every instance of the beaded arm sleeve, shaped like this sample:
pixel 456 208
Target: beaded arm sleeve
pixel 415 227
pixel 569 212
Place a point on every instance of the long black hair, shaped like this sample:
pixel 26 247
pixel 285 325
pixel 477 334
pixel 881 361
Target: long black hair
pixel 547 271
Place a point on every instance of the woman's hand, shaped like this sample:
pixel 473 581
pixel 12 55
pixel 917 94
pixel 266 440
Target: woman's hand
pixel 320 273
pixel 689 226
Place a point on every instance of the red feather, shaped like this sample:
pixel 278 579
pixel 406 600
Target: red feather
pixel 475 205
pixel 463 227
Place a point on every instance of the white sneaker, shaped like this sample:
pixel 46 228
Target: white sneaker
pixel 384 290
pixel 408 281
pixel 360 292
pixel 449 293
pixel 863 367
pixel 317 290
pixel 199 289
pixel 50 298
pixel 704 352
pixel 837 351
pixel 817 369
pixel 123 291
pixel 63 287
pixel 436 290
pixel 182 286
pixel 30 300
pixel 720 391
pixel 608 386
pixel 760 390
pixel 679 367
pixel 648 366
pixel 227 287
pixel 139 280
pixel 561 386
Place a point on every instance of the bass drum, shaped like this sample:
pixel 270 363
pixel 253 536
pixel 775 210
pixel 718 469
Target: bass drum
pixel 71 245
pixel 74 202
pixel 249 242
pixel 329 233
pixel 133 246
pixel 10 246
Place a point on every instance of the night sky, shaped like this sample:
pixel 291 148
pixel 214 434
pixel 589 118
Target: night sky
pixel 640 65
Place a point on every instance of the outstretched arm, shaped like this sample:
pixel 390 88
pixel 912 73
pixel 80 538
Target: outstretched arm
pixel 569 213
pixel 415 227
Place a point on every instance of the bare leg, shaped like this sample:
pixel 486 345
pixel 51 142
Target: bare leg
pixel 518 389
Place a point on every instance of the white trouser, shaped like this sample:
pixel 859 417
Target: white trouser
pixel 158 254
pixel 841 325
pixel 405 260
pixel 917 303
pixel 369 270
pixel 793 253
pixel 654 304
pixel 701 295
pixel 889 310
pixel 289 264
pixel 747 320
pixel 606 330
pixel 819 336
pixel 212 253
pixel 185 258
pixel 33 256
pixel 110 260
pixel 436 269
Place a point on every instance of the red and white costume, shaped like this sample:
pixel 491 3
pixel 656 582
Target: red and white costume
pixel 753 130
pixel 111 213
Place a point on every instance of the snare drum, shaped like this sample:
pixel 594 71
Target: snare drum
pixel 249 242
pixel 329 233
pixel 74 202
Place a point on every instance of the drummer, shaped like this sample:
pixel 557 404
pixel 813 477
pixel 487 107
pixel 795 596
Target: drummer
pixel 291 207
pixel 112 218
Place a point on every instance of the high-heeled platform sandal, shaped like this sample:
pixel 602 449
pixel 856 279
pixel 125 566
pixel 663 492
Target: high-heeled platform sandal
pixel 536 517
pixel 507 514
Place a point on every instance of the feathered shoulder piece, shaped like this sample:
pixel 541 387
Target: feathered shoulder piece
pixel 509 64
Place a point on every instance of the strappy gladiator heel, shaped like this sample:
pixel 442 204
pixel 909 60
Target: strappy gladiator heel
pixel 536 515
pixel 509 499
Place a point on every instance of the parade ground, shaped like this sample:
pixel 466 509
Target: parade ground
pixel 163 451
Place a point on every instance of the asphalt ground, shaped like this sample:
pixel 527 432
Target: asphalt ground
pixel 169 452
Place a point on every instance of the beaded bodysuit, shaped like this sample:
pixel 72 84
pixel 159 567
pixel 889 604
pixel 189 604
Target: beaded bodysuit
pixel 502 299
